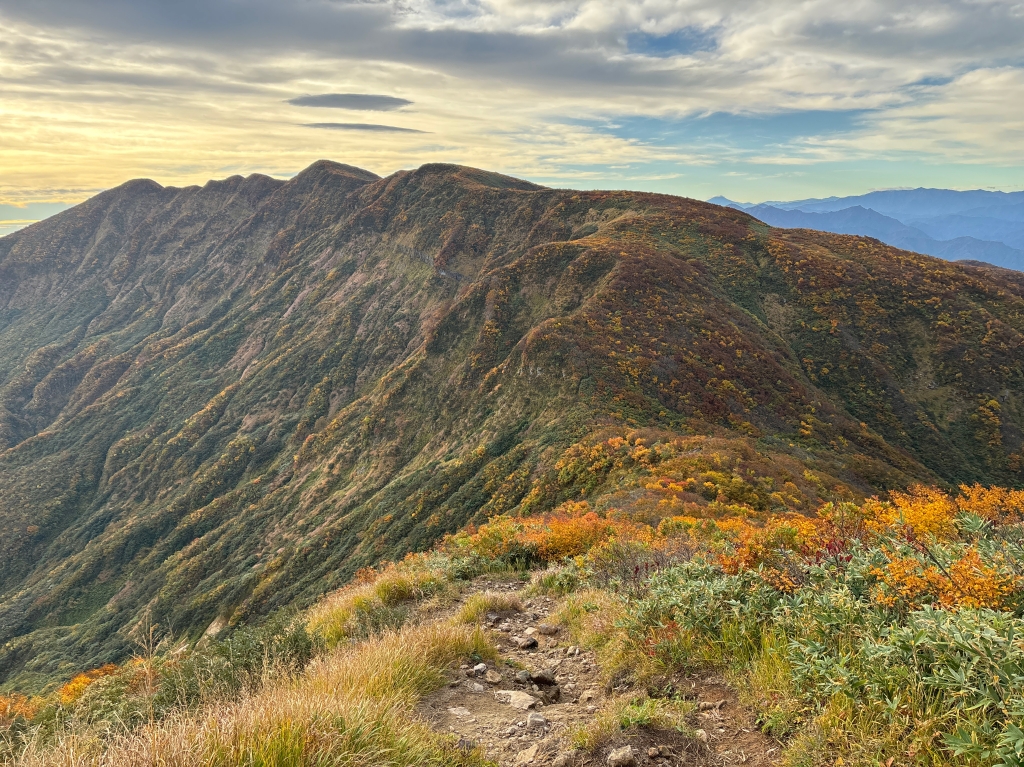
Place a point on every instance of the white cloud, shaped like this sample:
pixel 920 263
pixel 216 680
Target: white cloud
pixel 95 93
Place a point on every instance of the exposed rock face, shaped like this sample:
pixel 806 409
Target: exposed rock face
pixel 215 401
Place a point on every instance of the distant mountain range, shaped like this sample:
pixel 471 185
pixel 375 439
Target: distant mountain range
pixel 976 225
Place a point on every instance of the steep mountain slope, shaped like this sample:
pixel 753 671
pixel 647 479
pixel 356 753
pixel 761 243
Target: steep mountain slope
pixel 217 401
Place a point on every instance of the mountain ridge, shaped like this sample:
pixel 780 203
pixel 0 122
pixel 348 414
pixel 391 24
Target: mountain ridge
pixel 219 401
pixel 945 223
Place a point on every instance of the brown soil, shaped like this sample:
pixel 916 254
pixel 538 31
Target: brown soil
pixel 469 709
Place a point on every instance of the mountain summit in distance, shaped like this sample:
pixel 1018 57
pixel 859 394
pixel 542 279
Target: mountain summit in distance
pixel 977 225
pixel 216 401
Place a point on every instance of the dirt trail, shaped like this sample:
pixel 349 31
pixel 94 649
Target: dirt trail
pixel 520 716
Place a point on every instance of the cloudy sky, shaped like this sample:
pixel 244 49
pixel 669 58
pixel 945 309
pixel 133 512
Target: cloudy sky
pixel 756 100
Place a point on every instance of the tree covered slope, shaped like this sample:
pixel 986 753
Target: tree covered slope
pixel 218 401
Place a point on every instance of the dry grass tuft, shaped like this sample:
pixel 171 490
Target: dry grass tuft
pixel 350 707
pixel 378 602
pixel 481 603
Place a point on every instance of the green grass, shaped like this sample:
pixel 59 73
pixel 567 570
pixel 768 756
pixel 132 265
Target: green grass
pixel 627 714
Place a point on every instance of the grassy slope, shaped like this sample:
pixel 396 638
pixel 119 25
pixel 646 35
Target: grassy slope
pixel 219 401
pixel 874 633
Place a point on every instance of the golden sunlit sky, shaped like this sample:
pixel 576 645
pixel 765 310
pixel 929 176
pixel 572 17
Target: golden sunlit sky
pixel 765 100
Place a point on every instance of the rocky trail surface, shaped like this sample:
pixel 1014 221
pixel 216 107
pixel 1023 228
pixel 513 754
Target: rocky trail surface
pixel 525 708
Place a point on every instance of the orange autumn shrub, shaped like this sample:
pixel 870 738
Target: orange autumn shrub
pixel 79 683
pixel 922 512
pixel 995 504
pixel 574 529
pixel 780 539
pixel 974 584
pixel 16 706
pixel 968 582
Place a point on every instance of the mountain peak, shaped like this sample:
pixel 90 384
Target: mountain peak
pixel 476 176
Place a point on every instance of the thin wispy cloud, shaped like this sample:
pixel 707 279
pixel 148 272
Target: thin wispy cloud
pixel 371 127
pixel 770 100
pixel 356 101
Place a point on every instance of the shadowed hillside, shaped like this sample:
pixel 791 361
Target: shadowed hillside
pixel 218 401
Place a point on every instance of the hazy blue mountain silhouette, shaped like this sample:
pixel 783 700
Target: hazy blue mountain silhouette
pixel 975 225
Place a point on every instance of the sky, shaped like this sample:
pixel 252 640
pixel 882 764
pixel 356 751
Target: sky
pixel 755 100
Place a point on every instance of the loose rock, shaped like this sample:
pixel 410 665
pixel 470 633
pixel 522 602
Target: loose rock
pixel 535 720
pixel 492 677
pixel 622 757
pixel 707 705
pixel 528 755
pixel 460 711
pixel 480 669
pixel 526 643
pixel 516 699
pixel 547 629
pixel 544 676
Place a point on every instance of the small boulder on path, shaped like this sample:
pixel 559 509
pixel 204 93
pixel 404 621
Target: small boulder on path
pixel 622 757
pixel 547 629
pixel 526 643
pixel 527 755
pixel 516 699
pixel 544 676
pixel 492 677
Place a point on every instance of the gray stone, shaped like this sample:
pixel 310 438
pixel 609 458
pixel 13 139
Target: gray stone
pixel 526 643
pixel 516 699
pixel 535 720
pixel 528 755
pixel 544 676
pixel 622 757
pixel 552 693
pixel 492 677
pixel 523 677
pixel 562 760
pixel 547 629
pixel 480 669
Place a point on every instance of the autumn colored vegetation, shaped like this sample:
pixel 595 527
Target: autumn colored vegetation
pixel 339 369
pixel 872 630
